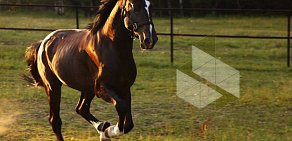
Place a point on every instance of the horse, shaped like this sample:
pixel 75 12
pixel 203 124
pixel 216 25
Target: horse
pixel 97 61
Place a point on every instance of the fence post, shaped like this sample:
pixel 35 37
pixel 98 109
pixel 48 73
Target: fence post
pixel 288 40
pixel 77 17
pixel 171 36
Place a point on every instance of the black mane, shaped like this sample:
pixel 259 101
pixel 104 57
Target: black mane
pixel 103 13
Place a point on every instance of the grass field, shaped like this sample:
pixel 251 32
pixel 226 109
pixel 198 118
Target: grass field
pixel 263 112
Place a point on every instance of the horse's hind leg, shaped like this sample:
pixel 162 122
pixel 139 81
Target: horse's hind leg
pixel 54 96
pixel 83 109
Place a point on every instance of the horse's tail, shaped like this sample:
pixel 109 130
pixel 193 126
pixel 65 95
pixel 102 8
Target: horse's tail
pixel 31 60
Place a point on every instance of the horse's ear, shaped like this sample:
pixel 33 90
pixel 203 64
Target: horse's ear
pixel 102 1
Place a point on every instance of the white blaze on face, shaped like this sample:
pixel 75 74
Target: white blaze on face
pixel 148 12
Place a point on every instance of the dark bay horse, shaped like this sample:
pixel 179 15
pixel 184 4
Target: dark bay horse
pixel 97 61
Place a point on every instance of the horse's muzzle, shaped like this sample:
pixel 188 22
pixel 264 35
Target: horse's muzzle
pixel 149 43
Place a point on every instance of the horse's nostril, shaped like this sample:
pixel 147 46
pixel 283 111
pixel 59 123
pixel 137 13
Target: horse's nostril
pixel 147 41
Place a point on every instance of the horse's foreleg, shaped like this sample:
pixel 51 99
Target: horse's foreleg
pixel 129 125
pixel 83 108
pixel 125 122
pixel 54 96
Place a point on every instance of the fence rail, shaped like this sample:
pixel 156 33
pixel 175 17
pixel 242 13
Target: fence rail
pixel 171 19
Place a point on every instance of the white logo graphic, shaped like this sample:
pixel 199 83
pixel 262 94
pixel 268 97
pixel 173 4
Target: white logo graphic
pixel 211 80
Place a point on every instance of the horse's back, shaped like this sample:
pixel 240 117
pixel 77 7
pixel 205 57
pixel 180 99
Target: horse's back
pixel 62 52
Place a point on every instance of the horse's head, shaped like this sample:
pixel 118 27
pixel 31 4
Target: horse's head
pixel 137 17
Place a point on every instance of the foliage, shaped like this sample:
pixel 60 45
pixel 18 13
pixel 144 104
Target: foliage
pixel 220 4
pixel 234 4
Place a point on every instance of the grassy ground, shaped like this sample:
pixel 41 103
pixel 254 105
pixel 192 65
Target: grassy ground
pixel 263 112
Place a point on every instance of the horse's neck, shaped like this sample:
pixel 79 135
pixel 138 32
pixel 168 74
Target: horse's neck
pixel 115 29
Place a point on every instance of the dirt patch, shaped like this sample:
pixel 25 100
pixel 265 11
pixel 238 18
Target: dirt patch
pixel 8 114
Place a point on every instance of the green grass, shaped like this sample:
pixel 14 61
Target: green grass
pixel 263 112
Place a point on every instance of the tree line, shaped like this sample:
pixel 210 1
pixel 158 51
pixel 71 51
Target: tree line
pixel 226 4
pixel 219 4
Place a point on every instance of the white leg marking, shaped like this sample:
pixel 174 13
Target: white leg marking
pixel 114 131
pixel 102 135
pixel 95 125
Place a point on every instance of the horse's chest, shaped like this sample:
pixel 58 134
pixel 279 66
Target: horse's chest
pixel 122 76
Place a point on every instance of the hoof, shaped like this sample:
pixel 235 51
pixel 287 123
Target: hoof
pixel 113 131
pixel 103 137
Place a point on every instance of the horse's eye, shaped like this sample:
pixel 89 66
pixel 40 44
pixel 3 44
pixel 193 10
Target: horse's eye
pixel 131 6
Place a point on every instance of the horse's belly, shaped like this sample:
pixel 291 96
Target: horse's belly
pixel 75 72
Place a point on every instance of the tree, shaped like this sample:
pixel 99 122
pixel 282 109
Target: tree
pixel 60 10
pixel 181 6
